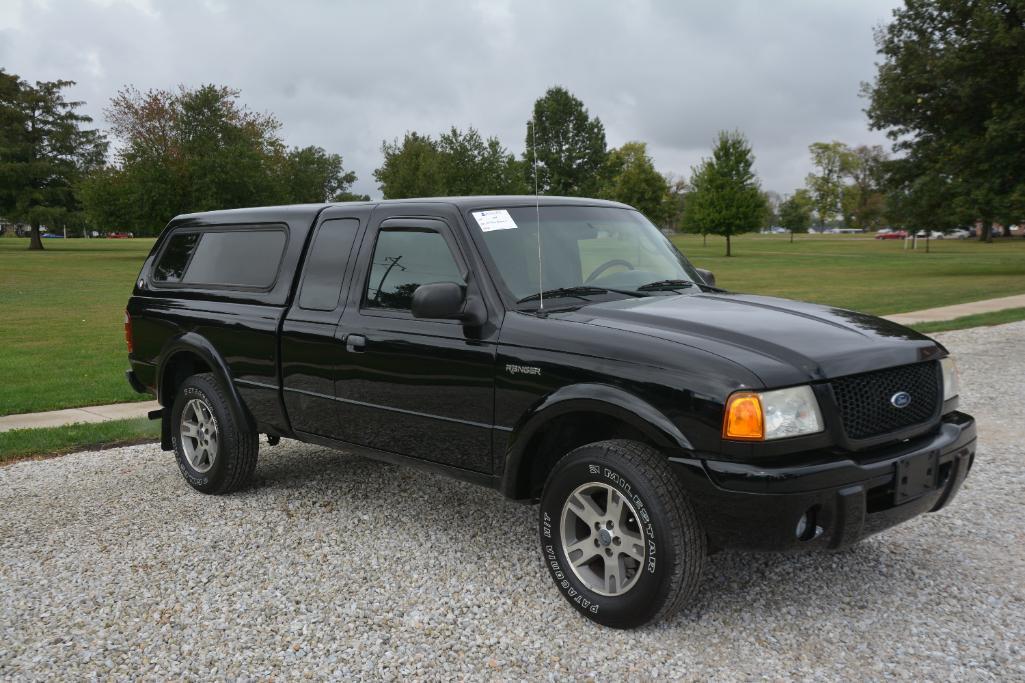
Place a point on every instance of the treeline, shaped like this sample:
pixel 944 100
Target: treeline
pixel 195 150
pixel 169 152
pixel 567 154
pixel 948 92
pixel 189 150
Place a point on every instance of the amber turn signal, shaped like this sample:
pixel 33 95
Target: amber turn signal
pixel 743 418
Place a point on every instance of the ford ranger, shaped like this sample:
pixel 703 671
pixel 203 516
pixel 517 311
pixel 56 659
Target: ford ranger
pixel 561 351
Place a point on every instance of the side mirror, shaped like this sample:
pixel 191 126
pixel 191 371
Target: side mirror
pixel 447 301
pixel 707 275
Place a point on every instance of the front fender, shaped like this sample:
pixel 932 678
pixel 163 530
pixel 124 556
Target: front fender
pixel 603 399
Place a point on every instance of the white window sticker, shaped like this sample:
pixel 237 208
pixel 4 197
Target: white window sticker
pixel 498 219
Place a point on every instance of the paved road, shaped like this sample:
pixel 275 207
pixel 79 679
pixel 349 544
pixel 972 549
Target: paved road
pixel 337 566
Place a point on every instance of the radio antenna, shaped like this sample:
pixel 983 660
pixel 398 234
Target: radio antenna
pixel 537 208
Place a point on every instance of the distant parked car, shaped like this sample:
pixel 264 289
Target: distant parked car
pixel 52 235
pixel 892 235
pixel 958 234
pixel 119 235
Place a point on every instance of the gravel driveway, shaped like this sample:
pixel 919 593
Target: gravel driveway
pixel 338 566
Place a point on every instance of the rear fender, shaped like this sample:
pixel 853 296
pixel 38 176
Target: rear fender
pixel 193 344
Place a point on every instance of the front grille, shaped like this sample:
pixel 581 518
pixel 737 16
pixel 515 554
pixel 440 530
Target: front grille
pixel 865 400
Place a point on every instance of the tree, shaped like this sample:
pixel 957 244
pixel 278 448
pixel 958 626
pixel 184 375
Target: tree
pixel 197 150
pixel 311 175
pixel 949 92
pixel 44 151
pixel 348 196
pixel 410 169
pixel 770 216
pixel 632 179
pixel 568 146
pixel 725 199
pixel 834 162
pixel 848 184
pixel 675 200
pixel 864 198
pixel 471 165
pixel 795 212
pixel 455 164
pixel 915 201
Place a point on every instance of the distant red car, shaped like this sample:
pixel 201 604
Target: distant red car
pixel 895 235
pixel 119 235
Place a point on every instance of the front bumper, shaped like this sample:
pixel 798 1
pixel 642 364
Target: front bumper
pixel 842 500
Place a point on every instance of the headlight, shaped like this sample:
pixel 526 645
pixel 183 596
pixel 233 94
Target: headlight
pixel 951 383
pixel 766 415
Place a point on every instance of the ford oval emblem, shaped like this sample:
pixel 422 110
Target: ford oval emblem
pixel 901 399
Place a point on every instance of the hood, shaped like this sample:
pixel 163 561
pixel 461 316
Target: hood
pixel 782 341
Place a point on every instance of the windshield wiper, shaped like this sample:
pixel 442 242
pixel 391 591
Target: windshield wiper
pixel 665 284
pixel 579 291
pixel 576 292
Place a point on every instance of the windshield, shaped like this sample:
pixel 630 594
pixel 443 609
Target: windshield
pixel 591 247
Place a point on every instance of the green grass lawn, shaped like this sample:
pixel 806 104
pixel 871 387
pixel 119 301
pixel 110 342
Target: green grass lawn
pixel 1010 315
pixel 25 443
pixel 62 322
pixel 874 276
pixel 62 310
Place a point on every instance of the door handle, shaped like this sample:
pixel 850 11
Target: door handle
pixel 355 343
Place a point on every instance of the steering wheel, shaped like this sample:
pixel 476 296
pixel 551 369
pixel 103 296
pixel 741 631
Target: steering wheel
pixel 605 266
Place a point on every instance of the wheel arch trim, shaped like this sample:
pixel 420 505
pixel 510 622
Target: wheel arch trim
pixel 603 399
pixel 192 343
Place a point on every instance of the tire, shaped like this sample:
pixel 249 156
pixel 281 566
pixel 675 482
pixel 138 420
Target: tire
pixel 220 455
pixel 656 545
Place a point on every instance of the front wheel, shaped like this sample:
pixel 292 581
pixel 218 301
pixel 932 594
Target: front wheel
pixel 618 535
pixel 215 453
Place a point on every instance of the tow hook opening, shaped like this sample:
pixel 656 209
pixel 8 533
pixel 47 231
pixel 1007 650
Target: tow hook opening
pixel 807 525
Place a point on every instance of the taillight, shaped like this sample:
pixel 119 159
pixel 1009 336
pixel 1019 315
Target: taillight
pixel 128 332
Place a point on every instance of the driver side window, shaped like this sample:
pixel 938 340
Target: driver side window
pixel 403 260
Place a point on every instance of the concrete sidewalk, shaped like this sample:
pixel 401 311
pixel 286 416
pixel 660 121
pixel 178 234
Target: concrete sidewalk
pixel 959 310
pixel 59 418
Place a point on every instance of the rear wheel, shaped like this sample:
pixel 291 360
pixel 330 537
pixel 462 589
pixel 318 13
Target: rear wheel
pixel 618 535
pixel 215 453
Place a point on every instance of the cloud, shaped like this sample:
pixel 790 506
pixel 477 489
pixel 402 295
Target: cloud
pixel 347 75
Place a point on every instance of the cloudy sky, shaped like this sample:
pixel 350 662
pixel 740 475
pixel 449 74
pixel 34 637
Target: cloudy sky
pixel 346 75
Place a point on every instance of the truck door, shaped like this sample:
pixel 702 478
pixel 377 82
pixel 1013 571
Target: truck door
pixel 310 352
pixel 421 388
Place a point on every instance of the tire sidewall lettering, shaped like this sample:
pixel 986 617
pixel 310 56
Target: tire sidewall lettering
pixel 554 555
pixel 194 478
pixel 623 485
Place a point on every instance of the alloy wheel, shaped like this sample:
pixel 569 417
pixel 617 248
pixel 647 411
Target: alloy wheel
pixel 199 435
pixel 602 539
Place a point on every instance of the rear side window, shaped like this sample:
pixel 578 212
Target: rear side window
pixel 231 258
pixel 175 257
pixel 325 264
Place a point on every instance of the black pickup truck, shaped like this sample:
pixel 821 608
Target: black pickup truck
pixel 561 351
